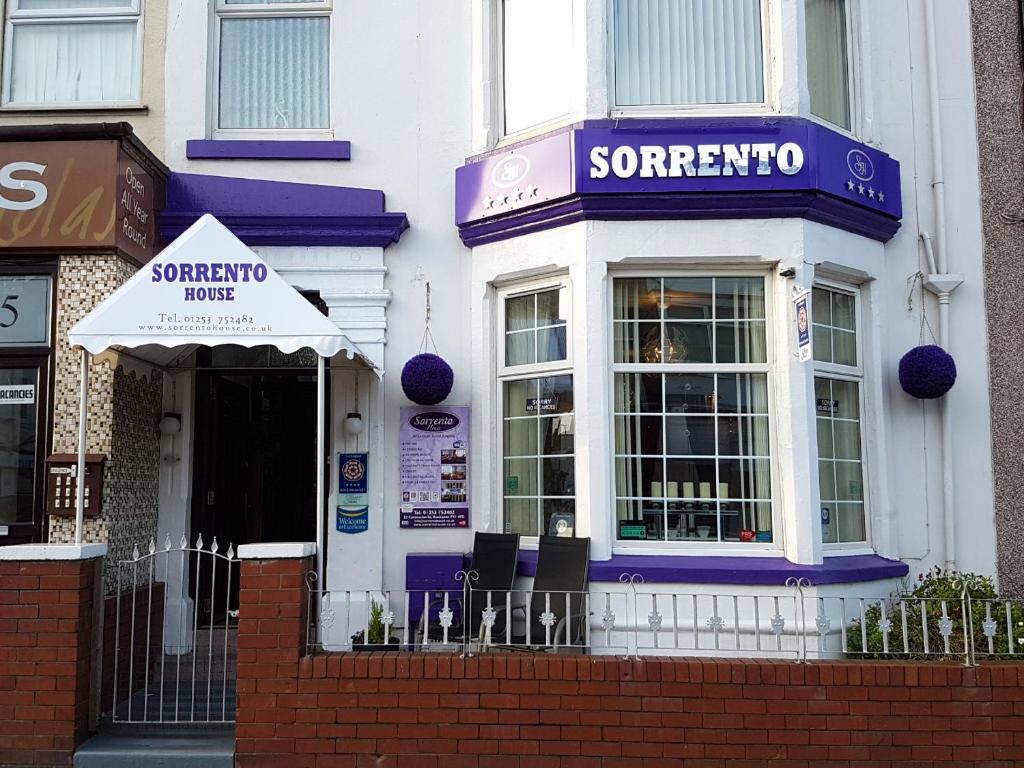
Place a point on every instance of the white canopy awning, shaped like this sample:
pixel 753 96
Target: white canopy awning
pixel 207 288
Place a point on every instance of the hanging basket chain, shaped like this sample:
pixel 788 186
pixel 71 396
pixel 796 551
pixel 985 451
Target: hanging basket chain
pixel 427 335
pixel 917 281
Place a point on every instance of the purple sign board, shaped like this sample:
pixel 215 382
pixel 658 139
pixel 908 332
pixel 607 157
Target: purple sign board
pixel 681 168
pixel 434 467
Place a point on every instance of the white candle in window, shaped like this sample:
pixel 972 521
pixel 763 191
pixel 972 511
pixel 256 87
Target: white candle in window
pixel 723 490
pixel 688 490
pixel 705 490
pixel 673 489
pixel 655 489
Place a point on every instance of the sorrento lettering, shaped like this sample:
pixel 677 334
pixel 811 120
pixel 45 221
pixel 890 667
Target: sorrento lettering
pixel 702 160
pixel 213 272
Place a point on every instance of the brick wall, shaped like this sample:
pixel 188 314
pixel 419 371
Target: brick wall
pixel 46 625
pixel 382 710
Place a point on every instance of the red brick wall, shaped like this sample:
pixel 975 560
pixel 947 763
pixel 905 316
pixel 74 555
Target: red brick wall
pixel 121 644
pixel 46 624
pixel 540 711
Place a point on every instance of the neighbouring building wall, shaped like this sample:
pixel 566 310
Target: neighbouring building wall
pixel 997 69
pixel 130 441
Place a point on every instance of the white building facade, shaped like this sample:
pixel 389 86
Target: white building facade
pixel 619 206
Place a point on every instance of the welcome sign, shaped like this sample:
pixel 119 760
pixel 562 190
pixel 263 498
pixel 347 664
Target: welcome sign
pixel 208 288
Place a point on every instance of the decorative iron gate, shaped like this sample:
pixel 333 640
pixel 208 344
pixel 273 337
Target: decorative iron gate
pixel 173 661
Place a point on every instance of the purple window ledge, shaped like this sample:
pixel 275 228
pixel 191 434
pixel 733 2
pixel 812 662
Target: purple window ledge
pixel 750 571
pixel 214 149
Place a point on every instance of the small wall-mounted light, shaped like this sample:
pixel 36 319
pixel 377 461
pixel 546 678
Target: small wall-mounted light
pixel 170 424
pixel 354 423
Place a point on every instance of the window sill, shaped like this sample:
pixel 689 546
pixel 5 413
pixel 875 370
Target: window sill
pixel 137 109
pixel 748 571
pixel 250 149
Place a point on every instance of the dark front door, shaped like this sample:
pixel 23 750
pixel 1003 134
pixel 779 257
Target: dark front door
pixel 23 410
pixel 254 479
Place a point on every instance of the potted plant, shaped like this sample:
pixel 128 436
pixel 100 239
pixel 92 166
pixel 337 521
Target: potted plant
pixel 377 636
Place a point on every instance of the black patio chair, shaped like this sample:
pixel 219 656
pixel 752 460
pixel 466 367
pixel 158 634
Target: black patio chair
pixel 557 612
pixel 492 569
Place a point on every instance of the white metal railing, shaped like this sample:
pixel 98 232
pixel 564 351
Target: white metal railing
pixel 636 619
pixel 184 674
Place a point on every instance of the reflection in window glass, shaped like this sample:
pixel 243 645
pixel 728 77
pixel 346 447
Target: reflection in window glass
pixel 535 328
pixel 828 68
pixel 537 67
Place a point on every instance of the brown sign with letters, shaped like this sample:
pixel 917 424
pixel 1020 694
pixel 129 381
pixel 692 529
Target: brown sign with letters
pixel 70 196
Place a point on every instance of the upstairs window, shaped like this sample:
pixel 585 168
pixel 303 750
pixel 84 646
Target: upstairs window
pixel 828 60
pixel 72 53
pixel 536 61
pixel 273 65
pixel 688 52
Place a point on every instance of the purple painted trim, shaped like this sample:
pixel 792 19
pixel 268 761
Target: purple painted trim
pixel 216 149
pixel 282 213
pixel 748 571
pixel 810 205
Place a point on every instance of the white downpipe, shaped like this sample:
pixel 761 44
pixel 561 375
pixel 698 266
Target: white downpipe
pixel 320 416
pixel 940 282
pixel 83 415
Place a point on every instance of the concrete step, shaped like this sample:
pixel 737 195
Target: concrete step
pixel 159 748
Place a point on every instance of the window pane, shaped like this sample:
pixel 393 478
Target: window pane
pixel 521 516
pixel 740 298
pixel 844 311
pixel 744 479
pixel 688 52
pixel 695 477
pixel 844 348
pixel 847 439
pixel 848 487
pixel 822 344
pixel 851 522
pixel 268 2
pixel 639 477
pixel 840 470
pixel 745 393
pixel 538 62
pixel 829 523
pixel 743 436
pixel 825 450
pixel 690 435
pixel 828 72
pixel 520 348
pixel 637 299
pixel 551 344
pixel 821 306
pixel 67 63
pixel 687 343
pixel 637 342
pixel 520 437
pixel 740 343
pixel 558 479
pixel 550 308
pixel 516 395
pixel 60 5
pixel 557 435
pixel 520 312
pixel 688 298
pixel 556 393
pixel 689 393
pixel 521 477
pixel 847 397
pixel 559 516
pixel 637 392
pixel 639 435
pixel 827 480
pixel 274 72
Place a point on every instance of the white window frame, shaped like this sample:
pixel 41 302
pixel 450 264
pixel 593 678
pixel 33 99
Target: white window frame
pixel 498 46
pixel 853 374
pixel 723 548
pixel 220 11
pixel 769 104
pixel 506 373
pixel 855 60
pixel 15 16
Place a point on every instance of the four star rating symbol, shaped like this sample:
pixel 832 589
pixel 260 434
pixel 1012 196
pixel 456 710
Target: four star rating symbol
pixel 870 192
pixel 517 195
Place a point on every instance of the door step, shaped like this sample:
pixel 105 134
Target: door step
pixel 159 748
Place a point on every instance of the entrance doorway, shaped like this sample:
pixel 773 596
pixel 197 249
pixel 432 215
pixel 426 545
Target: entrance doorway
pixel 254 480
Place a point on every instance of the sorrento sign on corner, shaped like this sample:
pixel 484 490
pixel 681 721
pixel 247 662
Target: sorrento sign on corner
pixel 680 168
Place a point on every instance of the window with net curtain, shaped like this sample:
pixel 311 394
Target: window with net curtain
pixel 273 65
pixel 538 424
pixel 692 423
pixel 68 52
pixel 685 52
pixel 837 393
pixel 537 61
pixel 828 60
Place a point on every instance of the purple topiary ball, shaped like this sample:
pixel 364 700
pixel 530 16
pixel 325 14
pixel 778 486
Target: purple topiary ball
pixel 427 379
pixel 927 372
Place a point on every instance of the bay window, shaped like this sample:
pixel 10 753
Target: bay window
pixel 828 60
pixel 538 426
pixel 273 65
pixel 537 56
pixel 837 393
pixel 688 52
pixel 692 432
pixel 72 53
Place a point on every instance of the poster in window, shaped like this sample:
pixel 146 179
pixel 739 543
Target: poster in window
pixel 434 467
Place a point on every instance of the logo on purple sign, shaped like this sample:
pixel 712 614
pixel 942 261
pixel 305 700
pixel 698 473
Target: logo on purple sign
pixel 434 421
pixel 510 171
pixel 860 165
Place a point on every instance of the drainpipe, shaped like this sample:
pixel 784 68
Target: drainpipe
pixel 939 281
